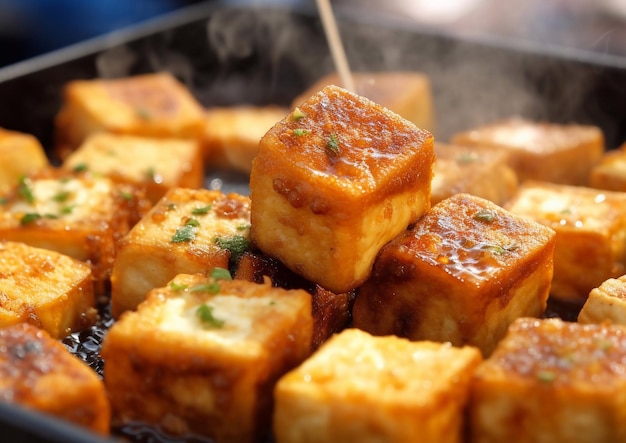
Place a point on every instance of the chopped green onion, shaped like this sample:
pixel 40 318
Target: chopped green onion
pixel 187 232
pixel 25 191
pixel 297 114
pixel 300 132
pixel 243 227
pixel 61 196
pixel 177 286
pixel 546 376
pixel 81 167
pixel 236 245
pixel 201 211
pixel 205 315
pixel 332 147
pixel 126 195
pixel 67 209
pixel 30 217
pixel 485 215
pixel 221 274
pixel 211 288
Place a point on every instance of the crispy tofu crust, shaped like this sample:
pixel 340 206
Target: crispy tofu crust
pixel 360 388
pixel 38 372
pixel 465 170
pixel 44 288
pixel 169 366
pixel 541 151
pixel 20 154
pixel 156 249
pixel 591 233
pixel 406 93
pixel 333 182
pixel 462 274
pixel 610 171
pixel 606 303
pixel 550 380
pixel 154 105
pixel 154 165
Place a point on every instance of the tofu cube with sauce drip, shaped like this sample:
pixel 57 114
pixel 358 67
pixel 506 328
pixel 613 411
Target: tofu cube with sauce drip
pixel 358 388
pixel 152 105
pixel 462 274
pixel 552 381
pixel 187 231
pixel 590 227
pixel 201 356
pixel 333 182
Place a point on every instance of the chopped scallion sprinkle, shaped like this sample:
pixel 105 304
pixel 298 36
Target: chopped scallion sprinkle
pixel 25 191
pixel 81 167
pixel 61 196
pixel 211 288
pixel 332 147
pixel 177 286
pixel 297 114
pixel 202 210
pixel 485 215
pixel 205 315
pixel 30 217
pixel 299 132
pixel 221 274
pixel 187 232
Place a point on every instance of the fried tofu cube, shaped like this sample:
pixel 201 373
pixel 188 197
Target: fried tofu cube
pixel 232 134
pixel 49 290
pixel 540 151
pixel 152 105
pixel 82 217
pixel 333 182
pixel 607 302
pixel 361 388
pixel 20 154
pixel 39 373
pixel 408 94
pixel 331 312
pixel 187 231
pixel 152 164
pixel 610 171
pixel 590 228
pixel 202 356
pixel 464 170
pixel 462 274
pixel 552 381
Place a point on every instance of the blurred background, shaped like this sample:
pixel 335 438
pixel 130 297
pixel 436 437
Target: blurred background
pixel 32 27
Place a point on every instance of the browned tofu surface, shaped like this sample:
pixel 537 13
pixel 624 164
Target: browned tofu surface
pixel 333 182
pixel 155 105
pixel 590 227
pixel 187 231
pixel 542 151
pixel 610 171
pixel 38 372
pixel 462 274
pixel 49 290
pixel 201 355
pixel 550 380
pixel 154 165
pixel 362 389
pixel 607 302
pixel 408 94
pixel 464 170
pixel 20 154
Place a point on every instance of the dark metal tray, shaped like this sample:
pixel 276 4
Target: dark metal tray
pixel 269 54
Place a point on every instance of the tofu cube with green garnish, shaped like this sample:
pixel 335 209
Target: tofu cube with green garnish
pixel 552 381
pixel 201 356
pixel 152 105
pixel 462 274
pixel 153 165
pixel 590 227
pixel 187 231
pixel 366 389
pixel 79 216
pixel 333 182
pixel 49 290
pixel 20 154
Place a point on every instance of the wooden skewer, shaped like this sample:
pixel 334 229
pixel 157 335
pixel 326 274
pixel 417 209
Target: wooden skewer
pixel 335 44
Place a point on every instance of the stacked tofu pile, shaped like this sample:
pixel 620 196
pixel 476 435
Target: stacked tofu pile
pixel 374 286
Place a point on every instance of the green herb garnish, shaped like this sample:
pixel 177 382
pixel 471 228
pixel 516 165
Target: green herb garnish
pixel 500 250
pixel 29 217
pixel 300 132
pixel 177 286
pixel 297 114
pixel 205 315
pixel 171 206
pixel 187 232
pixel 546 376
pixel 126 195
pixel 211 288
pixel 151 173
pixel 61 196
pixel 201 211
pixel 67 209
pixel 4 200
pixel 25 191
pixel 236 245
pixel 485 215
pixel 243 227
pixel 81 167
pixel 221 274
pixel 332 147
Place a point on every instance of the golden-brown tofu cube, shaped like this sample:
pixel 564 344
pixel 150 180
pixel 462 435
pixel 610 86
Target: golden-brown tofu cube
pixel 232 135
pixel 153 105
pixel 331 312
pixel 20 154
pixel 542 151
pixel 49 290
pixel 408 94
pixel 590 228
pixel 152 164
pixel 610 171
pixel 202 356
pixel 334 181
pixel 462 273
pixel 606 302
pixel 358 388
pixel 464 170
pixel 82 217
pixel 552 381
pixel 187 231
pixel 38 372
